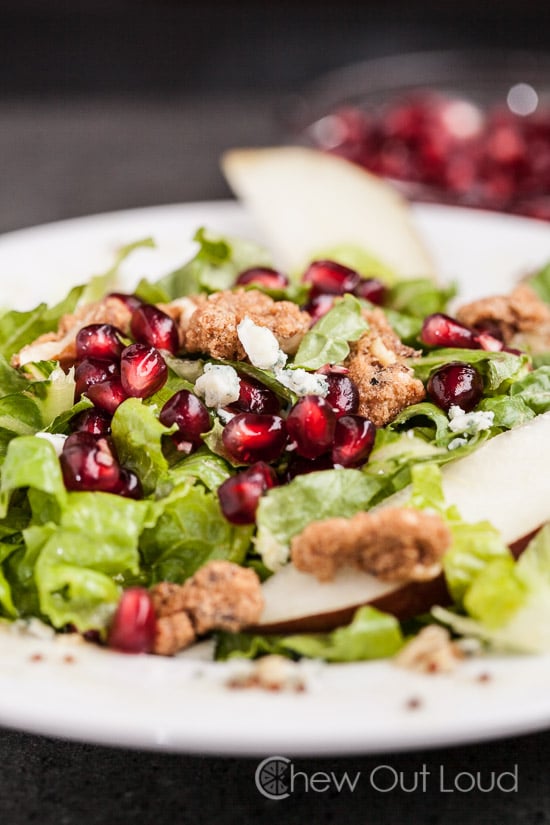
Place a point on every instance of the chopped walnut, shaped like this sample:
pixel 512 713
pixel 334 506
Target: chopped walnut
pixel 219 596
pixel 212 328
pixel 521 318
pixel 174 632
pixel 432 651
pixel 223 596
pixel 273 673
pixel 394 544
pixel 377 365
pixel 60 345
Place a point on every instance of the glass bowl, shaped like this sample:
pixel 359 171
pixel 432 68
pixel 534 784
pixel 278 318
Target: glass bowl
pixel 470 129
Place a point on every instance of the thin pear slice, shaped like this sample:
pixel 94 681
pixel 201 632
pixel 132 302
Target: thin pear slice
pixel 506 482
pixel 306 201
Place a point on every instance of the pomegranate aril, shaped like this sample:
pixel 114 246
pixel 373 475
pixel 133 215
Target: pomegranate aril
pixel 299 466
pixel 310 424
pixel 488 342
pixel 441 330
pixel 107 395
pixel 99 341
pixel 92 421
pixel 329 277
pixel 88 464
pixel 353 440
pixel 255 397
pixel 343 395
pixel 262 276
pixel 191 417
pixel 143 370
pixel 240 494
pixel 92 372
pixel 134 623
pixel 371 289
pixel 131 302
pixel 250 437
pixel 319 306
pixel 129 485
pixel 457 384
pixel 150 325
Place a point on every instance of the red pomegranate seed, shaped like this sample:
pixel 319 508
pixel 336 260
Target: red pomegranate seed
pixel 131 302
pixel 99 341
pixel 250 437
pixel 92 421
pixel 299 466
pixel 262 276
pixel 441 330
pixel 240 494
pixel 92 372
pixel 328 277
pixel 134 623
pixel 143 370
pixel 150 325
pixel 191 417
pixel 319 306
pixel 455 383
pixel 255 397
pixel 371 289
pixel 343 395
pixel 129 485
pixel 310 424
pixel 353 440
pixel 488 342
pixel 107 395
pixel 88 464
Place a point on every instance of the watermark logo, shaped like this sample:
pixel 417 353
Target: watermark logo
pixel 272 778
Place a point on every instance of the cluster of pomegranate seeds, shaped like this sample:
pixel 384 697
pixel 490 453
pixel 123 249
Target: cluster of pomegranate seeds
pixel 150 325
pixel 191 417
pixel 455 384
pixel 250 437
pixel 90 372
pixel 255 397
pixel 240 494
pixel 441 330
pixel 331 278
pixel 262 276
pixel 133 626
pixel 447 149
pixel 353 440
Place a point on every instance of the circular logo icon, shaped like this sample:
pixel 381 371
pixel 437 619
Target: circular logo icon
pixel 271 777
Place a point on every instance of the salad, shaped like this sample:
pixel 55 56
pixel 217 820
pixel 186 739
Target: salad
pixel 176 460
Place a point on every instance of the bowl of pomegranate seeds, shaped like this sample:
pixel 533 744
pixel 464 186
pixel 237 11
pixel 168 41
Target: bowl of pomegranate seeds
pixel 468 129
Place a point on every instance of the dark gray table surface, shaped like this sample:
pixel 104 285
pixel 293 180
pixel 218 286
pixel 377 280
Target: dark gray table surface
pixel 59 159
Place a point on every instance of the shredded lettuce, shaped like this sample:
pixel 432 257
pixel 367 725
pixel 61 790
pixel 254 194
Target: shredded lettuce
pixel 138 434
pixel 327 341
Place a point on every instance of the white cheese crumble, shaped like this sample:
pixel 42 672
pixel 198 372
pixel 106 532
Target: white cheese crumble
pixel 302 382
pixel 457 442
pixel 260 345
pixel 274 554
pixel 218 385
pixel 469 423
pixel 57 440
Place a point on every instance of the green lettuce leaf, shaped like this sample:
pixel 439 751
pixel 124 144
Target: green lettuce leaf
pixel 508 412
pixel 540 283
pixel 284 511
pixel 534 389
pixel 211 470
pixel 11 380
pixel 32 462
pixel 189 530
pixel 326 342
pixel 419 297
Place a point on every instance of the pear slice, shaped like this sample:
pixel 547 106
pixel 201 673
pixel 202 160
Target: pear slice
pixel 306 201
pixel 506 482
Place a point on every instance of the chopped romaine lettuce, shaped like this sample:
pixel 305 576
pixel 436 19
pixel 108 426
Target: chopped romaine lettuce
pixel 327 341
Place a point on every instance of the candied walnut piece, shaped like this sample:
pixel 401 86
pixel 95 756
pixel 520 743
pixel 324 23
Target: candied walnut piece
pixel 173 633
pixel 395 544
pixel 376 364
pixel 167 598
pixel 520 317
pixel 60 345
pixel 223 596
pixel 432 651
pixel 213 326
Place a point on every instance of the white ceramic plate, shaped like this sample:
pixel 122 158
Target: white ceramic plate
pixel 184 704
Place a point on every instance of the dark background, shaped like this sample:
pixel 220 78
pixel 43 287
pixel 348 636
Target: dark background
pixel 112 104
